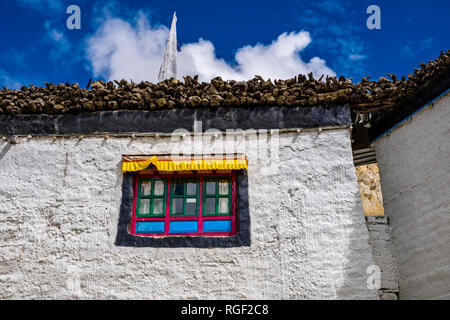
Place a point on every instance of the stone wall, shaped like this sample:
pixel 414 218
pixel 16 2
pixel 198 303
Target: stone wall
pixel 415 174
pixel 369 185
pixel 380 239
pixel 60 202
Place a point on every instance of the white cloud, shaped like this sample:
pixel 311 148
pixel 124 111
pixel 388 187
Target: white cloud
pixel 119 50
pixel 57 36
pixel 356 57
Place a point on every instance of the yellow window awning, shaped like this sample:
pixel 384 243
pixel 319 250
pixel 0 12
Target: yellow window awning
pixel 169 164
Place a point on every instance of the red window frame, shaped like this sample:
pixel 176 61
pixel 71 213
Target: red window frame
pixel 200 218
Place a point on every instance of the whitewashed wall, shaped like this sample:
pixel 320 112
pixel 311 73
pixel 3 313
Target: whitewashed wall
pixel 59 211
pixel 415 181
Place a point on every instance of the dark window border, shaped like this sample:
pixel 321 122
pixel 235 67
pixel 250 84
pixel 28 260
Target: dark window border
pixel 242 238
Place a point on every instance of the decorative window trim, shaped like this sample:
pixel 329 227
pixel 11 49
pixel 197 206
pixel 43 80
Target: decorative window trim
pixel 201 218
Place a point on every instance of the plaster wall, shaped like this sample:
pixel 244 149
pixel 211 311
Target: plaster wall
pixel 60 201
pixel 415 175
pixel 380 239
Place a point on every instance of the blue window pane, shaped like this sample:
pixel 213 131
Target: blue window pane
pixel 150 227
pixel 217 226
pixel 183 226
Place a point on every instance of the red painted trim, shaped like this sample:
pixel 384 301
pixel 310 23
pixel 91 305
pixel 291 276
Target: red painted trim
pixel 200 208
pixel 205 234
pixel 186 175
pixel 191 218
pixel 167 221
pixel 233 204
pixel 200 218
pixel 143 219
pixel 133 216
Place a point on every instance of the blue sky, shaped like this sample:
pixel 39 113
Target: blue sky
pixel 125 39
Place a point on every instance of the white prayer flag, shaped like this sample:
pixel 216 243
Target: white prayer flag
pixel 169 65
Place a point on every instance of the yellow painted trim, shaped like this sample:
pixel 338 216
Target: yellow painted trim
pixel 184 165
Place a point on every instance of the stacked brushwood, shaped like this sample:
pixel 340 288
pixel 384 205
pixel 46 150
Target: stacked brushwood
pixel 365 96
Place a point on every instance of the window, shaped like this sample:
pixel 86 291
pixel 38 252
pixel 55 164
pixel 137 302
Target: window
pixel 151 194
pixel 184 197
pixel 184 205
pixel 217 197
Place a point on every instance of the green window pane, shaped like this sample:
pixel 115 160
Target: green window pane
pixel 144 207
pixel 158 205
pixel 158 189
pixel 224 205
pixel 191 188
pixel 210 205
pixel 178 188
pixel 177 205
pixel 224 187
pixel 191 206
pixel 210 187
pixel 146 187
